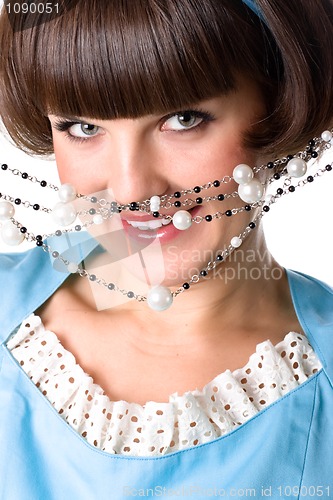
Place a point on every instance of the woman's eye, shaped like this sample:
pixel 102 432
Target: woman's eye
pixel 83 130
pixel 185 120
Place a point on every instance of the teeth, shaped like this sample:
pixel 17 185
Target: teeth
pixel 151 224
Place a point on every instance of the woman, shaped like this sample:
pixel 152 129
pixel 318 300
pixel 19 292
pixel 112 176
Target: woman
pixel 155 111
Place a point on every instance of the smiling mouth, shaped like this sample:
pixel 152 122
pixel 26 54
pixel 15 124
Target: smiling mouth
pixel 148 225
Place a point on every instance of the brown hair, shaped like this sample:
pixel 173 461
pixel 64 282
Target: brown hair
pixel 108 59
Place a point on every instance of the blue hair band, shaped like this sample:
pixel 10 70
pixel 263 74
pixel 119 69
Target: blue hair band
pixel 251 4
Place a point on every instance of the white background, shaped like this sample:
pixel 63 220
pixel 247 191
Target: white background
pixel 298 228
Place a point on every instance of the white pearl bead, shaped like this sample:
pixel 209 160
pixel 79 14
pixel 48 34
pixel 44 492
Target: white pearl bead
pixel 7 210
pixel 155 203
pixel 159 298
pixel 98 219
pixel 72 267
pixel 236 242
pixel 242 174
pixel 251 192
pixel 11 235
pixel 296 167
pixel 64 214
pixel 182 220
pixel 326 136
pixel 67 193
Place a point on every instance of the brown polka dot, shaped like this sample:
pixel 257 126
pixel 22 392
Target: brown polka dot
pixel 193 424
pixel 259 365
pixel 195 442
pixel 211 420
pixel 62 367
pixel 104 411
pixel 86 392
pixel 84 434
pixel 151 448
pixel 120 416
pixel 172 444
pixel 293 344
pixel 305 356
pixel 139 429
pixel 134 419
pixel 27 325
pixel 26 341
pixel 291 355
pixel 89 398
pixel 38 384
pixel 44 393
pixel 120 433
pixel 95 443
pixel 70 407
pixel 159 412
pixel 127 448
pixel 262 401
pixel 227 407
pixel 21 363
pixel 295 365
pixel 315 370
pixel 86 415
pixel 61 411
pixel 273 386
pixel 251 399
pixel 59 355
pixel 160 431
pixel 47 381
pixel 296 377
pixel 261 386
pixel 215 389
pixel 46 370
pixel 248 371
pixel 109 416
pixel 136 440
pixel 161 449
pixel 213 398
pixel 244 381
pixel 283 353
pixel 176 424
pixel 44 342
pixel 71 380
pixel 56 386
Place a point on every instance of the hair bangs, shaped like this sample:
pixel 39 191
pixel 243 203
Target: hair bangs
pixel 137 58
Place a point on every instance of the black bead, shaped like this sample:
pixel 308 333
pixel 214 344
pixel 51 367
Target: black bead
pixel 39 237
pixel 177 194
pixel 93 199
pixel 328 168
pixel 133 206
pixel 111 286
pixel 92 277
pixel 58 232
pixel 266 208
pixel 43 184
pixel 279 191
pixel 36 206
pixel 17 201
pixel 248 208
pixel 216 183
pixel 177 204
pixel 23 229
pixel 228 213
pixel 78 228
pixel 309 178
pixel 311 143
pixel 203 273
pixel 252 225
pixel 276 176
pixel 39 243
pixel 197 189
pixel 289 157
pixel 270 164
pixel 208 218
pixel 4 166
pixel 314 154
pixel 186 286
pixel 156 214
pixel 219 258
pixel 220 197
pixel 199 201
pixel 291 189
pixel 92 211
pixel 24 175
pixel 130 295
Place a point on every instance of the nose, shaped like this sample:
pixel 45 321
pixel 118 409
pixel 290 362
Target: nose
pixel 138 171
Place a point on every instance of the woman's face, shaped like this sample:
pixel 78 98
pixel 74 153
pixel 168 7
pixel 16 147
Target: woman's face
pixel 155 155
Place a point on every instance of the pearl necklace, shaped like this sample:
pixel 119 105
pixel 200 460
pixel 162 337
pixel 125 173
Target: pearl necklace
pixel 159 298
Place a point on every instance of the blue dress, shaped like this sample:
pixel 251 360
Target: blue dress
pixel 284 451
